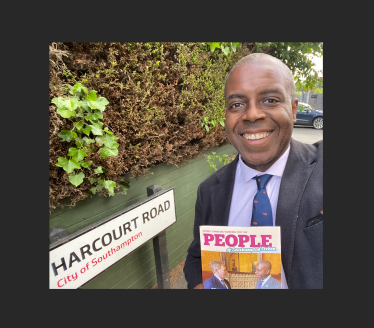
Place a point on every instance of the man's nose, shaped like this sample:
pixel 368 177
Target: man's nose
pixel 254 113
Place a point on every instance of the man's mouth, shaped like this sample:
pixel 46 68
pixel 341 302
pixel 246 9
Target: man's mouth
pixel 255 136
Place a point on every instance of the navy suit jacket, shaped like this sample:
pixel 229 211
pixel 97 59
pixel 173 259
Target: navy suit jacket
pixel 213 282
pixel 300 199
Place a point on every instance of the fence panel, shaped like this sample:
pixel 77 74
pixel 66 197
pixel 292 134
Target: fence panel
pixel 312 98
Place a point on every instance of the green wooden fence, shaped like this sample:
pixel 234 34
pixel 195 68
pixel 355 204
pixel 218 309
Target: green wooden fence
pixel 137 270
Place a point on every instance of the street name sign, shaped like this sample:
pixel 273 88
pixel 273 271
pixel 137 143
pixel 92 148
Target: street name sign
pixel 79 257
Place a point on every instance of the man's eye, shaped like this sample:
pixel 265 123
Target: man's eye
pixel 270 101
pixel 236 105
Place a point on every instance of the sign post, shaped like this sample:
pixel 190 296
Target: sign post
pixel 79 257
pixel 160 250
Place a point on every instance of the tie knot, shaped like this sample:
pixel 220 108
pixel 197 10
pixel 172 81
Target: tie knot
pixel 262 180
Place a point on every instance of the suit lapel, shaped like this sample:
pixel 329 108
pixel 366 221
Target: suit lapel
pixel 294 180
pixel 221 194
pixel 217 282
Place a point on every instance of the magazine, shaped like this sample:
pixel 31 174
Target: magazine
pixel 241 257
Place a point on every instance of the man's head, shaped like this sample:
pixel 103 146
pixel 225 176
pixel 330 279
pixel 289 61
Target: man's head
pixel 218 268
pixel 260 109
pixel 263 269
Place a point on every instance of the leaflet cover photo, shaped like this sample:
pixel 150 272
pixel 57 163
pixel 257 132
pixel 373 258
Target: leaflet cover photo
pixel 241 257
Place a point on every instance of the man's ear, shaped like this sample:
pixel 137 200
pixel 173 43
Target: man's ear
pixel 295 106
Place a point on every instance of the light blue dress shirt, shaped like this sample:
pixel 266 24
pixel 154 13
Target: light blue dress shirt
pixel 245 190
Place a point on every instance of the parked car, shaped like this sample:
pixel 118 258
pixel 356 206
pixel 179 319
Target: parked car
pixel 309 116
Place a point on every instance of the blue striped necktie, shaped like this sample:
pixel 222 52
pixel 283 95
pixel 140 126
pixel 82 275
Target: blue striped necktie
pixel 261 213
pixel 260 284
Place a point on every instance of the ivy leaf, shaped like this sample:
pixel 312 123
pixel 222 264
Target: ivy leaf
pixel 85 164
pixel 78 87
pixel 94 116
pixel 85 106
pixel 79 142
pixel 109 141
pixel 65 113
pixel 99 140
pixel 77 155
pixel 98 170
pixel 78 125
pixel 91 96
pixel 62 102
pixel 97 114
pixel 88 141
pixel 76 179
pixel 207 128
pixel 105 152
pixel 66 135
pixel 107 130
pixel 67 165
pixel 99 103
pixel 125 185
pixel 58 101
pixel 93 190
pixel 100 184
pixel 97 128
pixel 79 114
pixel 70 103
pixel 87 130
pixel 109 184
pixel 234 45
pixel 89 117
pixel 225 50
pixel 93 180
pixel 213 46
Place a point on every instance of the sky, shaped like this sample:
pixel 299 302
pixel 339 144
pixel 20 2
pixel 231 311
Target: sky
pixel 319 63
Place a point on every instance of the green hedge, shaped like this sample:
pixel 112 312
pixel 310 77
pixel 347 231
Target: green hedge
pixel 159 94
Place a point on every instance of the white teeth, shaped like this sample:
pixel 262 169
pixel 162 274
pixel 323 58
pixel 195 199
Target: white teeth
pixel 256 136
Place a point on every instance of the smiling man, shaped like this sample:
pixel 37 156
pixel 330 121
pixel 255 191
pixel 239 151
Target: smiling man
pixel 284 173
pixel 265 280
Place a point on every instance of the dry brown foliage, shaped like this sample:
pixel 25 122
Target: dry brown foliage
pixel 158 94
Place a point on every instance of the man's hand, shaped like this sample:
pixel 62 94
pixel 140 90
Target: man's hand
pixel 199 286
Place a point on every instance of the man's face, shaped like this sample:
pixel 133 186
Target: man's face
pixel 262 271
pixel 221 272
pixel 259 113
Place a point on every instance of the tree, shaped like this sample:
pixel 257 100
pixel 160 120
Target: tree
pixel 295 56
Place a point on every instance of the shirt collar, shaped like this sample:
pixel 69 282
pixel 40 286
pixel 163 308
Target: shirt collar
pixel 219 277
pixel 276 169
pixel 266 279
